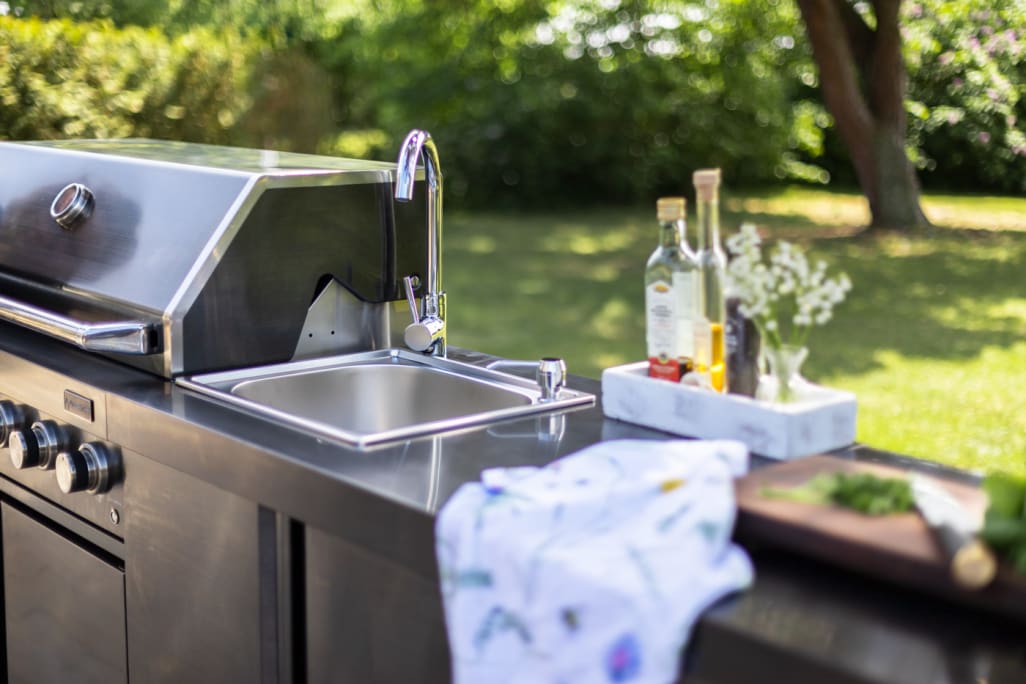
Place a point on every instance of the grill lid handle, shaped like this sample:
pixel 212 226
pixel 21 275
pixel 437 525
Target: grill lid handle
pixel 120 337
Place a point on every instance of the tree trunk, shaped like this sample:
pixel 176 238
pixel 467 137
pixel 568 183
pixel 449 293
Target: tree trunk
pixel 862 80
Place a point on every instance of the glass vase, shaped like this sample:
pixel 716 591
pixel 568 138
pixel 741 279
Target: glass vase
pixel 784 382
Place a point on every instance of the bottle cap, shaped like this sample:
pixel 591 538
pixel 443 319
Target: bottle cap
pixel 670 208
pixel 707 182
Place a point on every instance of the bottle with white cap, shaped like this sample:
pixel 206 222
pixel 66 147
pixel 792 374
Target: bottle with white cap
pixel 710 340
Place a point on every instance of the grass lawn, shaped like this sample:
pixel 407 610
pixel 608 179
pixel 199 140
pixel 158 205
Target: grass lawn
pixel 932 338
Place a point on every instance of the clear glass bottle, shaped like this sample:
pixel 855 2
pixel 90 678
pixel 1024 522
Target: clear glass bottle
pixel 671 287
pixel 710 335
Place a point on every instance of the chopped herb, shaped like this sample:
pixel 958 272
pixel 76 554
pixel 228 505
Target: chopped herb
pixel 861 492
pixel 1004 524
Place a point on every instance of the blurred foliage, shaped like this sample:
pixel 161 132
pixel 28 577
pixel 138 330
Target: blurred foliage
pixel 64 79
pixel 541 103
pixel 279 21
pixel 532 102
pixel 967 92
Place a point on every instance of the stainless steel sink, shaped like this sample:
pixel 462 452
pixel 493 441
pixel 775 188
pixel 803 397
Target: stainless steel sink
pixel 380 396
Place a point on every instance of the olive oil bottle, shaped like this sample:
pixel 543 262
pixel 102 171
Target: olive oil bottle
pixel 671 289
pixel 710 349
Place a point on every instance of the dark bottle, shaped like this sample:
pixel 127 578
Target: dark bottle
pixel 742 350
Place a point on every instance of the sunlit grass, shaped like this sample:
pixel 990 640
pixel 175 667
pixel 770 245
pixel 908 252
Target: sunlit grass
pixel 967 412
pixel 932 338
pixel 850 209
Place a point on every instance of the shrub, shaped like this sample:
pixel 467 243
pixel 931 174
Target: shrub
pixel 967 92
pixel 61 79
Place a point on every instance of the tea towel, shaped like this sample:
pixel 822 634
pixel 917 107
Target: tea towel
pixel 593 568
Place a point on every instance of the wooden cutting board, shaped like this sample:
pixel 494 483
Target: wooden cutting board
pixel 895 548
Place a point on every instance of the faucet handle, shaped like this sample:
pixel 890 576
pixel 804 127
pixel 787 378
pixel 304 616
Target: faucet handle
pixel 549 373
pixel 423 335
pixel 412 282
pixel 425 331
pixel 551 377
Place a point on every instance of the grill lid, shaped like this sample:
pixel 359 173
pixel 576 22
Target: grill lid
pixel 179 253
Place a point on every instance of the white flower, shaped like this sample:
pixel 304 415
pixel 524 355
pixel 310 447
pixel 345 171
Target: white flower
pixel 781 291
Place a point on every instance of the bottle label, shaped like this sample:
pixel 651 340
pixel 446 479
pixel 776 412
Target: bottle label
pixel 669 309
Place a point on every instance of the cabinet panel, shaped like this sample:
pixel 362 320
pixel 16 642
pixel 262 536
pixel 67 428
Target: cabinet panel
pixel 370 620
pixel 65 608
pixel 193 589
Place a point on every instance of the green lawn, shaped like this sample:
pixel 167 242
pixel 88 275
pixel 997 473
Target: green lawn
pixel 932 338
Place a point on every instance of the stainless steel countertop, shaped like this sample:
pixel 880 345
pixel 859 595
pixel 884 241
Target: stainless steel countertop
pixel 813 622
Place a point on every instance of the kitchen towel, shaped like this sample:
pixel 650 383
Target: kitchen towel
pixel 593 568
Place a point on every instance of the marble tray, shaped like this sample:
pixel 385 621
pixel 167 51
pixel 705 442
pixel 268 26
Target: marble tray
pixel 823 419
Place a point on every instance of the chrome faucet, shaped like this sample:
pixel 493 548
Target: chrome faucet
pixel 427 332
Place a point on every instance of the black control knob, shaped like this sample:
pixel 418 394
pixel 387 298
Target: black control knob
pixel 51 440
pixel 92 468
pixel 11 418
pixel 23 448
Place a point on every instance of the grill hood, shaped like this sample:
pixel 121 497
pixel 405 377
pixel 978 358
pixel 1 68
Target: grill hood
pixel 188 257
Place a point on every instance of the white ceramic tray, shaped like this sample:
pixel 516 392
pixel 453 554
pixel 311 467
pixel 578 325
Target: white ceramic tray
pixel 823 419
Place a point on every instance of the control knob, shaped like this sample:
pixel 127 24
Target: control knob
pixel 23 448
pixel 51 440
pixel 36 446
pixel 11 418
pixel 91 468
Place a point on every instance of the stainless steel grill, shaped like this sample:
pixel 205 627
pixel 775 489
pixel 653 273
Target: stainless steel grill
pixel 178 258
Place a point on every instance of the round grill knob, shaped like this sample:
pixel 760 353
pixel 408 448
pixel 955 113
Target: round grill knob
pixel 74 203
pixel 11 418
pixel 23 448
pixel 51 440
pixel 88 469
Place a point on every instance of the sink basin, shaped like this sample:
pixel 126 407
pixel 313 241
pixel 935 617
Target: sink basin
pixel 381 396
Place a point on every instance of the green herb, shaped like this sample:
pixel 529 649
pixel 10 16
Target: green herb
pixel 1004 524
pixel 861 492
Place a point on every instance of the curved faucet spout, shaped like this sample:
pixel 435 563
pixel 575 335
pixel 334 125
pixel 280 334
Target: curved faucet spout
pixel 418 143
pixel 427 333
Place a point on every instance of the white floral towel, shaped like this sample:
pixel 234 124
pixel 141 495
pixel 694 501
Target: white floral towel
pixel 593 568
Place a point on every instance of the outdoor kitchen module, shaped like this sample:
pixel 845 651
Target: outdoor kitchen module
pixel 270 290
pixel 180 258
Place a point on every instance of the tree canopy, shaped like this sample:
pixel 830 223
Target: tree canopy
pixel 615 100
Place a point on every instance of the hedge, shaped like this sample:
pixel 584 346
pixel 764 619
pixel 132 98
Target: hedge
pixel 63 79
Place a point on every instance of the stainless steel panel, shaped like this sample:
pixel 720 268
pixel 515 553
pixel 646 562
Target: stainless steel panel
pixel 370 620
pixel 193 583
pixel 252 306
pixel 44 390
pixel 149 224
pixel 64 608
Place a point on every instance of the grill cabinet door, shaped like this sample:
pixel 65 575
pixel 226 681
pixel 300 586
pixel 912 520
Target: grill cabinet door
pixel 65 608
